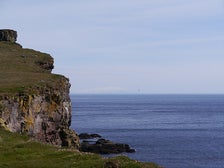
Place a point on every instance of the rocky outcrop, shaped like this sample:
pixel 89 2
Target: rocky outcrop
pixel 8 35
pixel 89 136
pixel 32 100
pixel 94 143
pixel 103 146
pixel 47 65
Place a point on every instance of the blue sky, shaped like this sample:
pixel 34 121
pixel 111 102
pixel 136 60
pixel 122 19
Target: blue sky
pixel 126 46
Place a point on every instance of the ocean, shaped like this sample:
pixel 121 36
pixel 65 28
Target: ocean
pixel 174 131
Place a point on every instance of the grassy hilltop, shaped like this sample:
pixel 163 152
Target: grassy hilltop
pixel 22 68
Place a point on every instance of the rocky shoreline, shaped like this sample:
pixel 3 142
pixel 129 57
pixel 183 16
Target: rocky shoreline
pixel 94 143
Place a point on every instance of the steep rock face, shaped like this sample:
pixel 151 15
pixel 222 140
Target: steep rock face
pixel 32 100
pixel 8 35
pixel 44 113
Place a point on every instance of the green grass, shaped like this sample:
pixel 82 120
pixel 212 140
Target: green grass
pixel 19 151
pixel 20 69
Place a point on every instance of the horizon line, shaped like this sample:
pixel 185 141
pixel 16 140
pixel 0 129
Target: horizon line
pixel 146 93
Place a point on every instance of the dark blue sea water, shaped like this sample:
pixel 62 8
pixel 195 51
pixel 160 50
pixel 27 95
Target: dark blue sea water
pixel 175 131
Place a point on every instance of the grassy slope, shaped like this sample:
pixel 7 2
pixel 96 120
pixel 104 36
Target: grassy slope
pixel 18 68
pixel 20 151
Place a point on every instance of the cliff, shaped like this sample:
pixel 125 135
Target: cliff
pixel 33 101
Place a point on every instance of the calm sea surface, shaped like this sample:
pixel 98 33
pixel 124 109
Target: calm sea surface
pixel 175 131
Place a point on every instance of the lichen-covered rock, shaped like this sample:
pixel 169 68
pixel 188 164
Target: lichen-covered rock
pixel 69 138
pixel 44 115
pixel 3 124
pixel 8 35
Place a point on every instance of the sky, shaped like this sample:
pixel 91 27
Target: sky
pixel 126 46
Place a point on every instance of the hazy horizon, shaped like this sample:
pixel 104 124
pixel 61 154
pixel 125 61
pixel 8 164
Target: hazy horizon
pixel 128 46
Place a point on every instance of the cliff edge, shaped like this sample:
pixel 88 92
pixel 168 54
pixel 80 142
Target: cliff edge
pixel 33 101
